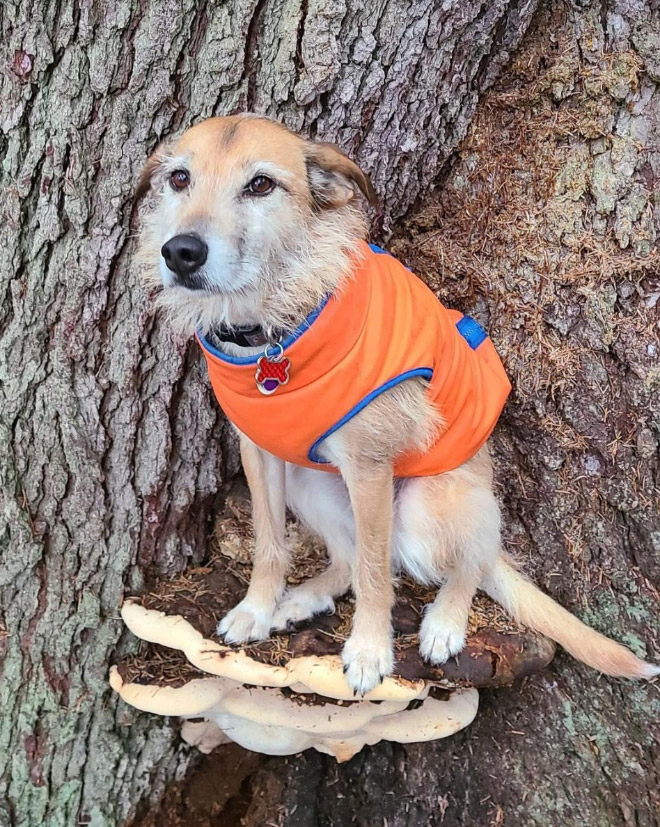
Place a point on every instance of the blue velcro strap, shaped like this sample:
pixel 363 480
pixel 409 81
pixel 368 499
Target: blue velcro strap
pixel 471 331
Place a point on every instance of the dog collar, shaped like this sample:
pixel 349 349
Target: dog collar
pixel 253 336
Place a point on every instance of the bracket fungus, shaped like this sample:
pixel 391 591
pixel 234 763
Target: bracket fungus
pixel 287 694
pixel 277 722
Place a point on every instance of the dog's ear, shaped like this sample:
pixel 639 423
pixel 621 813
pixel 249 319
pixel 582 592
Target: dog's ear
pixel 332 176
pixel 150 167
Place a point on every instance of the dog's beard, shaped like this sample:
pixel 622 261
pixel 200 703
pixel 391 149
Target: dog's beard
pixel 190 310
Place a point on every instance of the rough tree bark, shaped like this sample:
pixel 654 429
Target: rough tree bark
pixel 546 230
pixel 112 454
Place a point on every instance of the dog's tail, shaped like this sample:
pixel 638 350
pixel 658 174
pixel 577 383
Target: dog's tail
pixel 531 607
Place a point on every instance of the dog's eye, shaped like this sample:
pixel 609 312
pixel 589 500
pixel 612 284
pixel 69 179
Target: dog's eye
pixel 261 185
pixel 180 179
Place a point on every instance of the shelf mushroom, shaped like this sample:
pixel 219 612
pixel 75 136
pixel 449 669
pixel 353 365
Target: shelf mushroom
pixel 289 693
pixel 275 722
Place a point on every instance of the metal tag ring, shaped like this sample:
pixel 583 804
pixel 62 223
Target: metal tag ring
pixel 278 357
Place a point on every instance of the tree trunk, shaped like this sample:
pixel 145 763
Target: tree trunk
pixel 545 230
pixel 112 453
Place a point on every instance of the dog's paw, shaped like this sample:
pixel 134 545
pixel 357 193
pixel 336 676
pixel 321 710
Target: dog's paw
pixel 440 640
pixel 301 604
pixel 244 623
pixel 366 663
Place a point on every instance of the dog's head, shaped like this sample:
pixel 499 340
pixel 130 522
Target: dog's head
pixel 247 221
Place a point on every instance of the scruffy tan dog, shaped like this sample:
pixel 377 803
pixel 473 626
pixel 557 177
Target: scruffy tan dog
pixel 247 231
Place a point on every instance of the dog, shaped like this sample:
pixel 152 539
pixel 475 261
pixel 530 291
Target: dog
pixel 254 237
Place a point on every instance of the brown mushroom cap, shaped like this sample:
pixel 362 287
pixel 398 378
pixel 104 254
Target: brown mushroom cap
pixel 188 671
pixel 183 614
pixel 322 674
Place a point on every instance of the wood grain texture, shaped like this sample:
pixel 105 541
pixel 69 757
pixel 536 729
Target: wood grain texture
pixel 112 452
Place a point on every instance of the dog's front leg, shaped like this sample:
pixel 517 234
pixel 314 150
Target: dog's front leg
pixel 368 653
pixel 252 618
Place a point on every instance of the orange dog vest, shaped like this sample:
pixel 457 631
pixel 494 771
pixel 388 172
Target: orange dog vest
pixel 382 326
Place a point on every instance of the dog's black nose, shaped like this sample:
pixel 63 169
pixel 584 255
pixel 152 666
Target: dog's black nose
pixel 184 254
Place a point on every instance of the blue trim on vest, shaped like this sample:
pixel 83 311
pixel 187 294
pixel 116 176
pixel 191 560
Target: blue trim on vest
pixel 312 454
pixel 290 339
pixel 471 331
pixel 376 249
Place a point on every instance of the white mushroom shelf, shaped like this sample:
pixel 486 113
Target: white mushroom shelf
pixel 289 694
pixel 266 720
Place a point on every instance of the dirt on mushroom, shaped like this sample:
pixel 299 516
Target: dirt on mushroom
pixel 498 650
